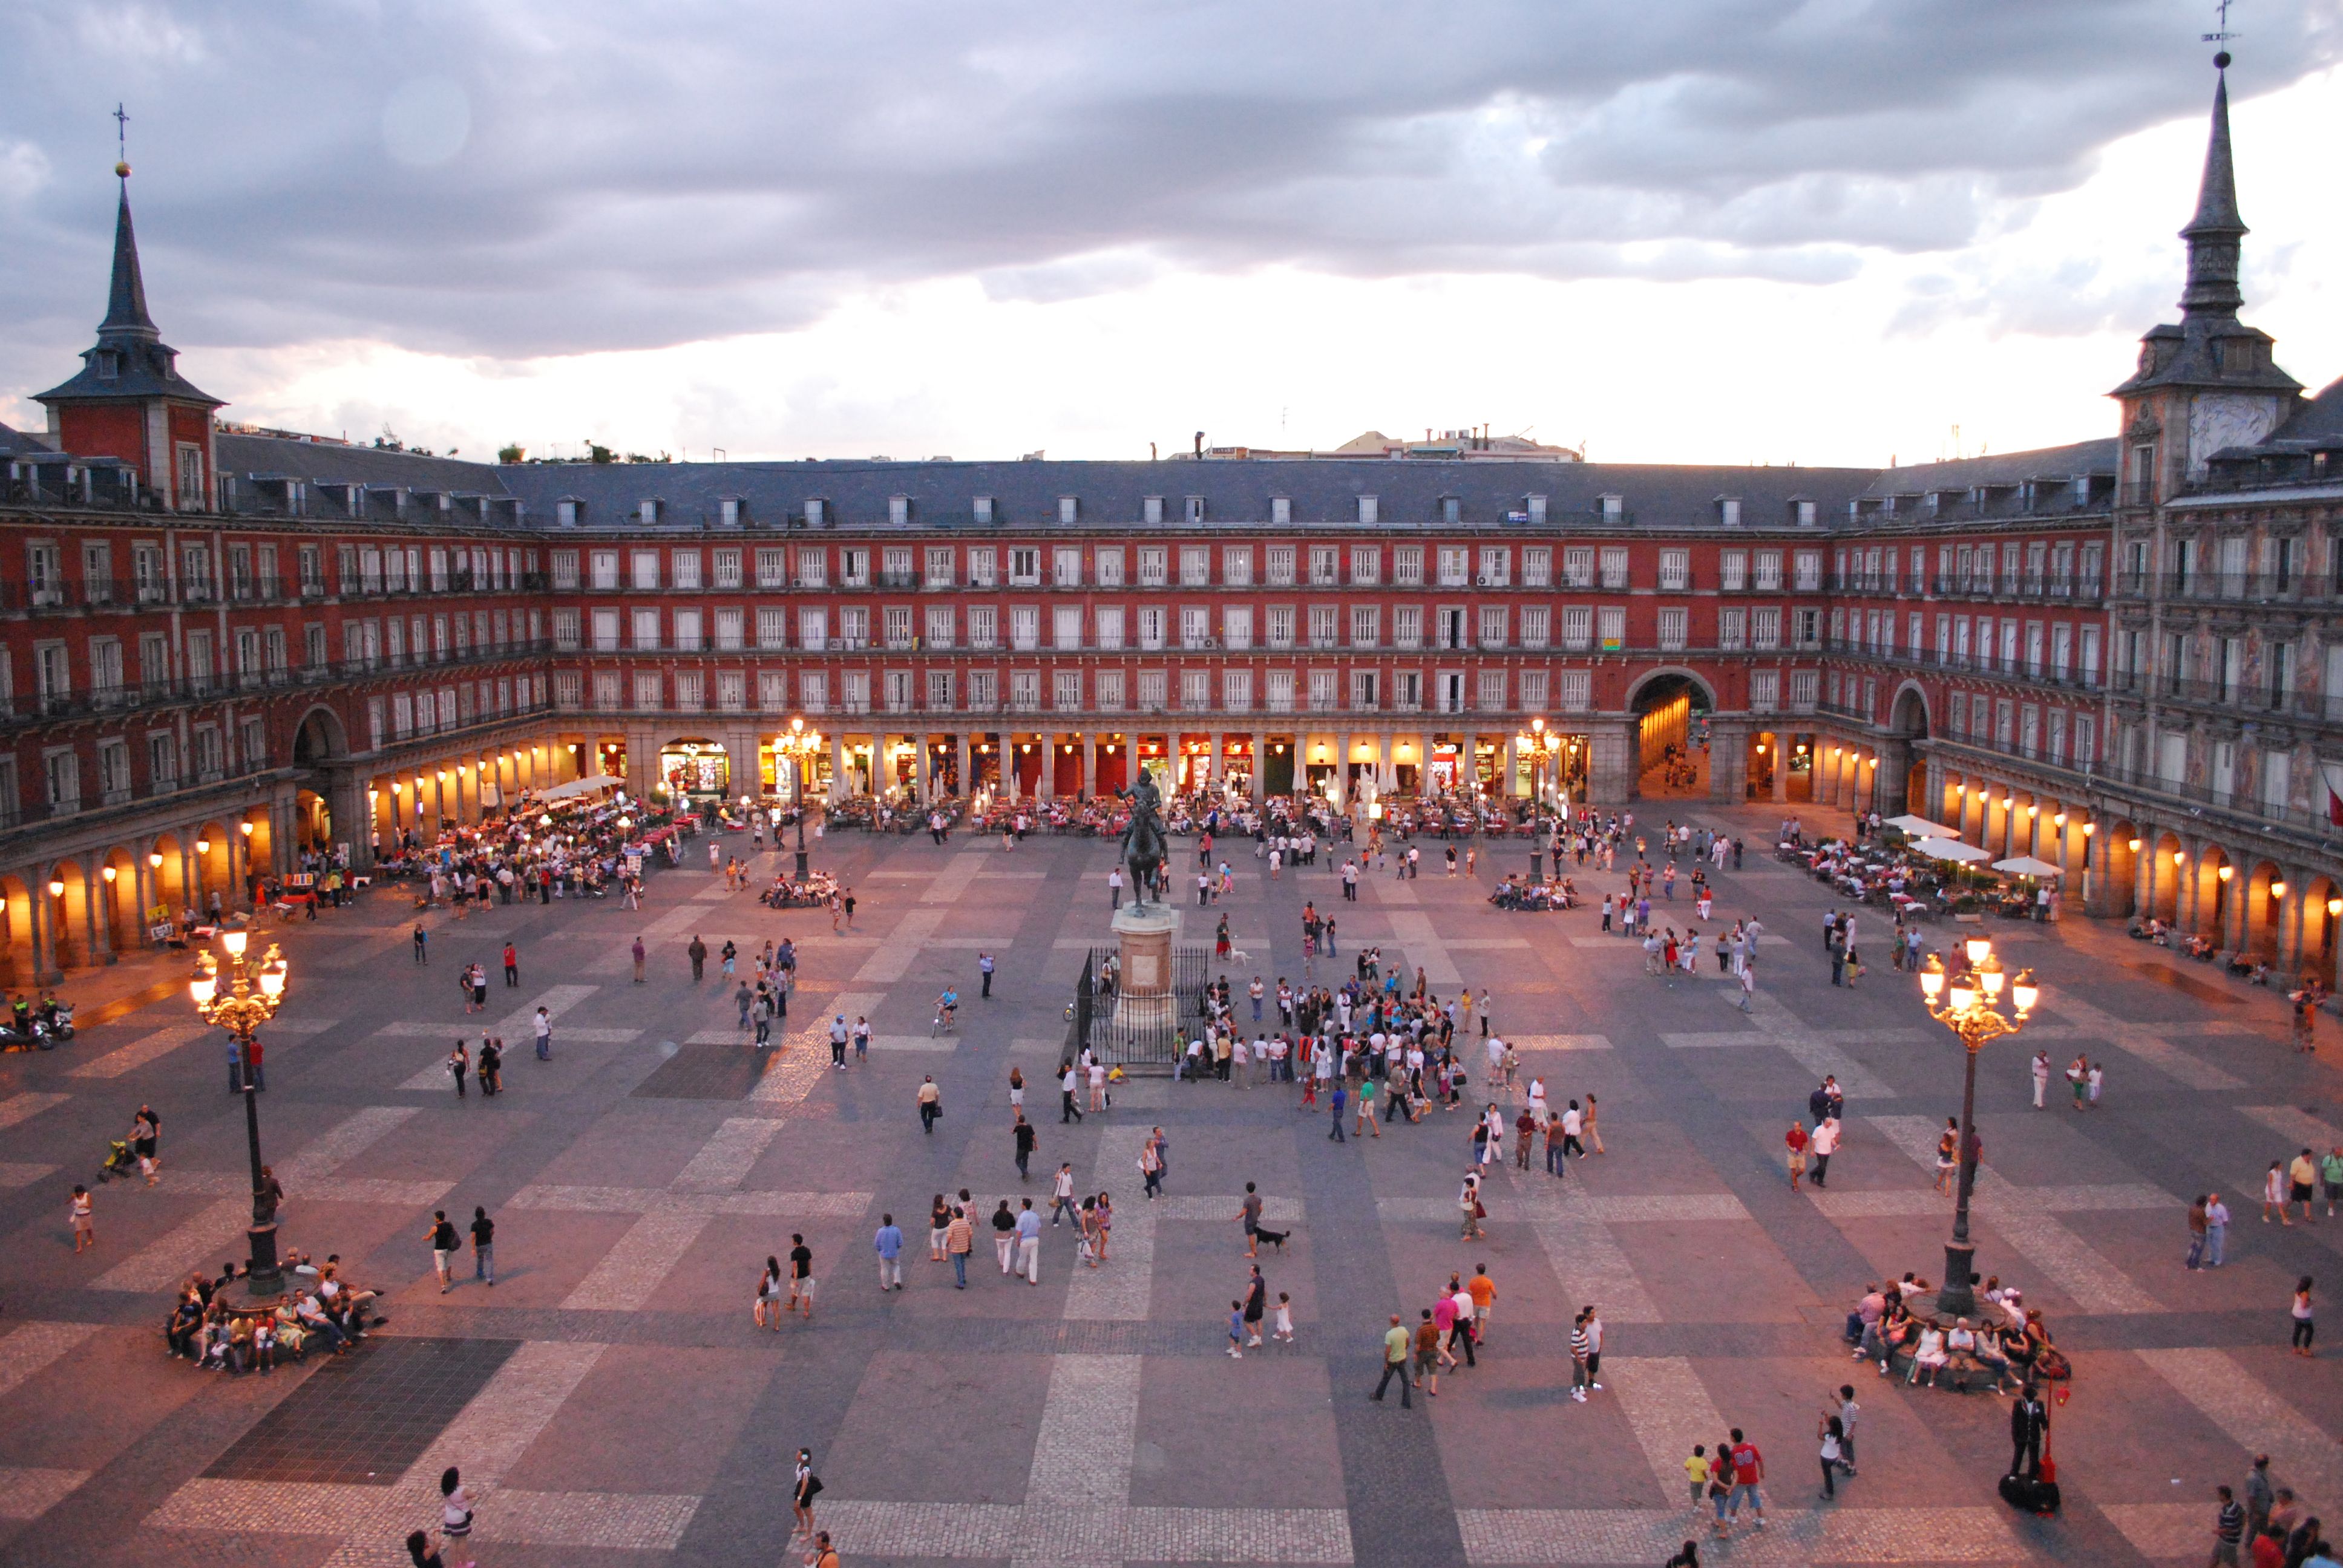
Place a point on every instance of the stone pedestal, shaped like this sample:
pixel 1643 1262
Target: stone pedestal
pixel 1144 994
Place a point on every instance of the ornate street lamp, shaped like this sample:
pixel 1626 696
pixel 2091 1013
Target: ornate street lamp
pixel 248 999
pixel 1969 1003
pixel 801 744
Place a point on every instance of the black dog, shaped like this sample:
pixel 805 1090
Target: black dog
pixel 1274 1238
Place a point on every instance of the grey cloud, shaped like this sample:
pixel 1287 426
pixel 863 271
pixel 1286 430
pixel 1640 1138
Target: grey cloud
pixel 634 176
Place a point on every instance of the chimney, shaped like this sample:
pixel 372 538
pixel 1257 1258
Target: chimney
pixel 1200 443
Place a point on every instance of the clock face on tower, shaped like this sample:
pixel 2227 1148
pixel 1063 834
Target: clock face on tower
pixel 2221 419
pixel 2146 358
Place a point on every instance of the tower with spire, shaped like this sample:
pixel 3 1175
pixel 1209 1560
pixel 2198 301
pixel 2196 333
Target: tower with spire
pixel 2208 382
pixel 129 401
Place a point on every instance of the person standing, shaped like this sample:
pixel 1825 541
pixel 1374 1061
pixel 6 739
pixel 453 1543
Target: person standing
pixel 984 971
pixel 512 966
pixel 888 1244
pixel 2304 1326
pixel 960 1241
pixel 1256 1307
pixel 460 1062
pixel 932 1103
pixel 444 1242
pixel 1579 1376
pixel 1748 1476
pixel 2216 1228
pixel 837 1042
pixel 1249 1212
pixel 1395 1349
pixel 484 1247
pixel 640 955
pixel 698 952
pixel 1831 1431
pixel 1336 1101
pixel 2029 1421
pixel 2228 1529
pixel 2041 1071
pixel 2197 1227
pixel 544 1026
pixel 1849 1412
pixel 803 1489
pixel 1115 888
pixel 2260 1497
pixel 422 945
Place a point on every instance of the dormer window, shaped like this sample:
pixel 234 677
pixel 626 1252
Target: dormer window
pixel 1280 511
pixel 109 364
pixel 1728 510
pixel 1069 508
pixel 647 512
pixel 1805 514
pixel 1195 509
pixel 984 508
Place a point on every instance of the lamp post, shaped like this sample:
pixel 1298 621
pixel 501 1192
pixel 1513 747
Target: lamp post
pixel 1969 1004
pixel 248 999
pixel 800 743
pixel 1540 745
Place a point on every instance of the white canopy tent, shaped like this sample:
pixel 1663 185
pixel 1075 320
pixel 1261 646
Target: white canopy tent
pixel 1913 827
pixel 1951 849
pixel 2027 866
pixel 593 784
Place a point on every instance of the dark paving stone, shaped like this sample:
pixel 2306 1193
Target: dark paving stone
pixel 362 1418
pixel 704 1072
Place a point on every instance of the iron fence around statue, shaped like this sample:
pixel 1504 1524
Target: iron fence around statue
pixel 1150 1047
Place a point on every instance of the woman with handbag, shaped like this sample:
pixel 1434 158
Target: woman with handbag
pixel 806 1488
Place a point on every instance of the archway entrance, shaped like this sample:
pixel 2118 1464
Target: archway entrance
pixel 1671 709
pixel 1904 766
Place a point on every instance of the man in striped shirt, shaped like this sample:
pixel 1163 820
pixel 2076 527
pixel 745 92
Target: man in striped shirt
pixel 2228 1531
pixel 1579 1376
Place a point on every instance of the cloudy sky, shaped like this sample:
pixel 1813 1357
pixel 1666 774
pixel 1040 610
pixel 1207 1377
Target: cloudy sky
pixel 1706 230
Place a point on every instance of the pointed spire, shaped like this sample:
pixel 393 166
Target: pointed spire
pixel 2215 232
pixel 125 304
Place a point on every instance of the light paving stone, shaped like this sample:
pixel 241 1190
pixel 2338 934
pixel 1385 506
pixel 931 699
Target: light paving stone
pixel 2026 1223
pixel 27 1492
pixel 1794 1538
pixel 1089 1435
pixel 29 1347
pixel 2158 1530
pixel 2303 1456
pixel 164 1262
pixel 138 1052
pixel 955 878
pixel 22 1108
pixel 645 1200
pixel 1667 1408
pixel 2142 1043
pixel 332 1190
pixel 1121 1289
pixel 1817 1049
pixel 892 958
pixel 723 1162
pixel 2296 1126
pixel 1528 1043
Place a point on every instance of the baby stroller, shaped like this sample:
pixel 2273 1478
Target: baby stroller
pixel 119 1161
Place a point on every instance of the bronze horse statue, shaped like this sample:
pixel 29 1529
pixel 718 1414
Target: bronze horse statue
pixel 1145 847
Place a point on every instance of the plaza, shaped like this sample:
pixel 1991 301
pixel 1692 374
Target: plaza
pixel 611 1401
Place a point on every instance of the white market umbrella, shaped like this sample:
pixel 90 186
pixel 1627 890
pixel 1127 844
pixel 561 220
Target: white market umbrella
pixel 1913 827
pixel 593 785
pixel 2027 866
pixel 1950 849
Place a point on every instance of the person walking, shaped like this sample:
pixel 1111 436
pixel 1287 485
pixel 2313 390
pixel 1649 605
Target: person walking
pixel 460 1062
pixel 1832 1433
pixel 838 1033
pixel 512 967
pixel 1825 1144
pixel 1151 1170
pixel 1061 1198
pixel 2304 1326
pixel 801 1278
pixel 1021 1133
pixel 932 1103
pixel 1468 1199
pixel 697 951
pixel 1255 1307
pixel 1004 1237
pixel 803 1489
pixel 83 1218
pixel 484 1247
pixel 444 1244
pixel 1796 1139
pixel 1395 1357
pixel 1069 1107
pixel 2260 1497
pixel 1336 1101
pixel 1029 1242
pixel 1249 1212
pixel 888 1242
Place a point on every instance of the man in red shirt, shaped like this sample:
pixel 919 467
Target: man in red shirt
pixel 1748 1471
pixel 1796 1139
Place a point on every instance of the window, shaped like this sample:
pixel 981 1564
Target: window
pixel 1492 626
pixel 1325 563
pixel 1496 567
pixel 1366 566
pixel 1236 689
pixel 646 629
pixel 1236 626
pixel 813 566
pixel 1106 689
pixel 1809 565
pixel 1278 693
pixel 1575 695
pixel 1537 565
pixel 1195 510
pixel 1066 565
pixel 1454 568
pixel 1195 626
pixel 729 628
pixel 1281 566
pixel 1151 620
pixel 1281 625
pixel 1066 690
pixel 1675 571
pixel 1577 626
pixel 981 563
pixel 1325 625
pixel 1236 566
pixel 1407 626
pixel 1766 628
pixel 1195 566
pixel 895 621
pixel 1196 689
pixel 1611 628
pixel 1108 565
pixel 1107 623
pixel 1614 565
pixel 687 630
pixel 814 689
pixel 772 626
pixel 939 572
pixel 940 625
pixel 1280 511
pixel 1069 509
pixel 1152 571
pixel 1066 626
pixel 1152 690
pixel 1536 619
pixel 1154 512
pixel 1673 621
pixel 1407 566
pixel 1366 626
pixel 646 570
pixel 686 569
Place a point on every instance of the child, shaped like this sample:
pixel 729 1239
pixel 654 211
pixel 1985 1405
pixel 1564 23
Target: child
pixel 85 1226
pixel 1696 1473
pixel 1236 1330
pixel 1285 1319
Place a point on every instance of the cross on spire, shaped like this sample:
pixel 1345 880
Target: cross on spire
pixel 2221 33
pixel 122 127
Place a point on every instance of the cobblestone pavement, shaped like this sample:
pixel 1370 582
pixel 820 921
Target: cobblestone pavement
pixel 611 1403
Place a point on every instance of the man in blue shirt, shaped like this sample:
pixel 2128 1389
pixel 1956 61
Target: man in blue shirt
pixel 888 1244
pixel 1029 1243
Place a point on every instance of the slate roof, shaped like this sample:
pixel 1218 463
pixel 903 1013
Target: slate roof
pixel 14 442
pixel 2055 463
pixel 329 462
pixel 144 366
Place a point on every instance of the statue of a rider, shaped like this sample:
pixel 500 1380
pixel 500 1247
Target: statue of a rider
pixel 1144 844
